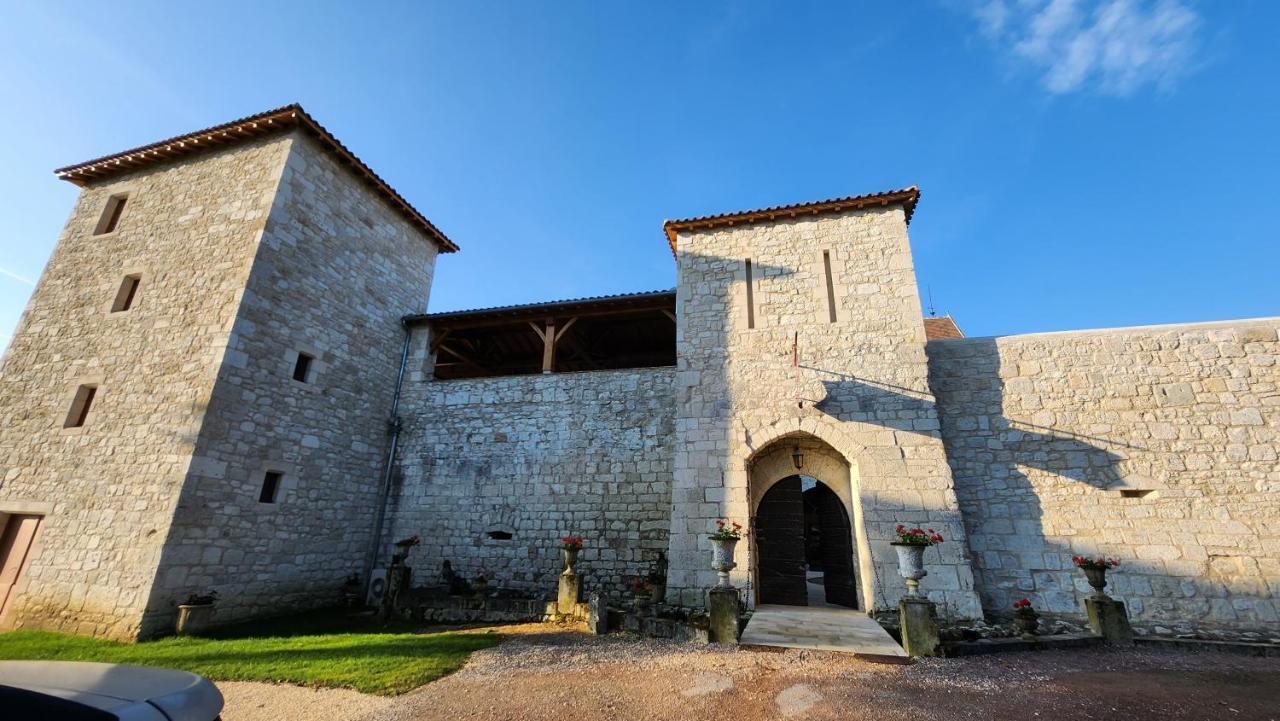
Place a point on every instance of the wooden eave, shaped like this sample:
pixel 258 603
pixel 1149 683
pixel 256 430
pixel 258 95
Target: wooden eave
pixel 582 307
pixel 255 126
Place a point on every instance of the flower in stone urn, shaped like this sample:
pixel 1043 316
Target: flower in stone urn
pixel 1026 617
pixel 911 544
pixel 570 545
pixel 1095 569
pixel 642 589
pixel 723 541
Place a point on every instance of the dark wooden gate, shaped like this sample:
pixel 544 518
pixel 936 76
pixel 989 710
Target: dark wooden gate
pixel 836 543
pixel 779 529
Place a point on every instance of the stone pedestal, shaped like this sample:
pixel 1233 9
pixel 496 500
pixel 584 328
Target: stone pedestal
pixel 724 615
pixel 1110 620
pixel 598 618
pixel 919 620
pixel 194 620
pixel 568 593
pixel 399 577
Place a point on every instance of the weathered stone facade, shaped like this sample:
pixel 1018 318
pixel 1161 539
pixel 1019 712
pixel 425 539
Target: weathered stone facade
pixel 246 256
pixel 857 386
pixel 539 457
pixel 1156 446
pixel 108 490
pixel 797 335
pixel 335 271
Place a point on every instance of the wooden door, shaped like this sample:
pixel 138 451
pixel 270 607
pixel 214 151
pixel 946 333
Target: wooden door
pixel 15 545
pixel 838 570
pixel 779 530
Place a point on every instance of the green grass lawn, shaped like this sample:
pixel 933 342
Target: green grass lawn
pixel 383 663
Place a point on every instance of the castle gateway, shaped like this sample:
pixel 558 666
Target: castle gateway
pixel 198 396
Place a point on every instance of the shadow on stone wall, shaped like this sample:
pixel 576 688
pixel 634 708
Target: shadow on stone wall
pixel 1014 481
pixel 1003 519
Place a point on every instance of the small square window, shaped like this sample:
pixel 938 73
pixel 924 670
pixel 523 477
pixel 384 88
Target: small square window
pixel 270 486
pixel 80 405
pixel 111 215
pixel 302 368
pixel 126 294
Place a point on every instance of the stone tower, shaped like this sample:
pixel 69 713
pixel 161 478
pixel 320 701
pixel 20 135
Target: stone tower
pixel 801 353
pixel 197 395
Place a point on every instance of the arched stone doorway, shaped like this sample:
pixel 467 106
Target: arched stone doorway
pixel 804 542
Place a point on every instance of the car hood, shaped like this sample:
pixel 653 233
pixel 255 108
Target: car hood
pixel 120 689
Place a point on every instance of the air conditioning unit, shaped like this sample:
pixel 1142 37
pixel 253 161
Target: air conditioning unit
pixel 377 587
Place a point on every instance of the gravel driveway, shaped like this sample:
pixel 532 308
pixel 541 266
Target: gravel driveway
pixel 543 672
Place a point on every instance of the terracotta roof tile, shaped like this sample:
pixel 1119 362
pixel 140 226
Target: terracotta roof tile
pixel 908 197
pixel 939 327
pixel 253 126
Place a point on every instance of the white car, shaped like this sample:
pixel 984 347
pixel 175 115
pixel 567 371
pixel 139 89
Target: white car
pixel 74 691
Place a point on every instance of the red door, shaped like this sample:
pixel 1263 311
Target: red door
pixel 15 544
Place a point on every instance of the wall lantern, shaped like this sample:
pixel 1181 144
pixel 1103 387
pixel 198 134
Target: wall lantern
pixel 797 458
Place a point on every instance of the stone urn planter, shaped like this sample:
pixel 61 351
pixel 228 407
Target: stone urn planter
pixel 196 615
pixel 1097 578
pixel 1027 625
pixel 1095 571
pixel 1025 618
pixel 570 558
pixel 722 559
pixel 911 565
pixel 644 599
pixel 659 593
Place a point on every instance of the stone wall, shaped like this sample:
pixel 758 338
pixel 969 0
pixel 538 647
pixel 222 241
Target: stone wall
pixel 108 490
pixel 860 391
pixel 538 457
pixel 336 270
pixel 1156 445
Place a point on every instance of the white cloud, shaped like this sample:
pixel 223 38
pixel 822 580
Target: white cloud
pixel 1116 45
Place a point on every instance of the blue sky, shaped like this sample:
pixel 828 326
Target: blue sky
pixel 1082 164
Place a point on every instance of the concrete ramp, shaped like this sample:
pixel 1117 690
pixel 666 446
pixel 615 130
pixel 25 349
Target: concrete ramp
pixel 824 629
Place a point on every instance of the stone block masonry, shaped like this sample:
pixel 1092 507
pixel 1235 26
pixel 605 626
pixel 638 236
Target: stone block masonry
pixel 335 271
pixel 774 368
pixel 108 490
pixel 1155 445
pixel 537 457
pixel 247 256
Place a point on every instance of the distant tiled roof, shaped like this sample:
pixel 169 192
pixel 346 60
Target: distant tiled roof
pixel 908 197
pixel 621 301
pixel 936 328
pixel 253 126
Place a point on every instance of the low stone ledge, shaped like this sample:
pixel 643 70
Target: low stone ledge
pixel 983 646
pixel 1243 648
pixel 470 609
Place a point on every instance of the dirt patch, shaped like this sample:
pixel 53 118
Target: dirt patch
pixel 542 672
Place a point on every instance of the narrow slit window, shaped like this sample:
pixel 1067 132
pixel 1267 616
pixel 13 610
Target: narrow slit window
pixel 1135 493
pixel 302 368
pixel 500 535
pixel 751 309
pixel 270 487
pixel 831 288
pixel 80 406
pixel 127 293
pixel 111 214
